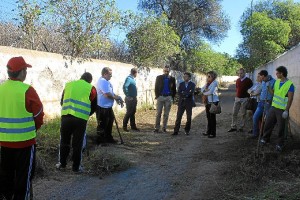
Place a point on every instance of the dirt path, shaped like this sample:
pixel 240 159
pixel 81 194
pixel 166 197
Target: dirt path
pixel 168 167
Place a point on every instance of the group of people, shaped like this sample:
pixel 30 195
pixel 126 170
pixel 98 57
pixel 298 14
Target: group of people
pixel 21 114
pixel 273 99
pixel 165 91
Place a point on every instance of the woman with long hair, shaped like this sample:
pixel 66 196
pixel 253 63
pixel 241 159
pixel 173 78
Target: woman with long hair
pixel 210 92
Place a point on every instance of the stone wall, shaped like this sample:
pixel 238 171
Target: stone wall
pixel 291 60
pixel 51 71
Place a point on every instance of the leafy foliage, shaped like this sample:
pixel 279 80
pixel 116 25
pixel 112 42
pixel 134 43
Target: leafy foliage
pixel 153 42
pixel 268 30
pixel 205 59
pixel 29 13
pixel 85 24
pixel 192 21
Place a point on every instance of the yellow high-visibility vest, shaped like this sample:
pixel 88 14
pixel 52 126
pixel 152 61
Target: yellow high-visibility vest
pixel 279 99
pixel 16 123
pixel 76 100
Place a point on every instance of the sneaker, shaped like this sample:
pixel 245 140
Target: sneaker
pixel 205 134
pixel 263 142
pixel 155 131
pixel 59 166
pixel 125 129
pixel 232 130
pixel 187 132
pixel 165 130
pixel 278 148
pixel 211 136
pixel 175 133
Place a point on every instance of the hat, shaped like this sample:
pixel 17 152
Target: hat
pixel 17 64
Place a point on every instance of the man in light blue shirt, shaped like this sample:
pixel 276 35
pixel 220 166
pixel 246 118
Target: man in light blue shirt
pixel 105 102
pixel 130 91
pixel 264 103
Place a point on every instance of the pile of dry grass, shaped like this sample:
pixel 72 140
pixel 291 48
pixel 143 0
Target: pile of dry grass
pixel 102 162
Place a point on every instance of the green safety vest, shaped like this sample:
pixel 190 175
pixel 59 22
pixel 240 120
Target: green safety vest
pixel 76 100
pixel 279 99
pixel 16 123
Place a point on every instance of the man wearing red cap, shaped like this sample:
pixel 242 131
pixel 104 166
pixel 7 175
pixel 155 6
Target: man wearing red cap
pixel 21 114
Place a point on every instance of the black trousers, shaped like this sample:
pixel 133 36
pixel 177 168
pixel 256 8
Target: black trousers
pixel 71 127
pixel 131 103
pixel 105 119
pixel 181 109
pixel 16 172
pixel 211 120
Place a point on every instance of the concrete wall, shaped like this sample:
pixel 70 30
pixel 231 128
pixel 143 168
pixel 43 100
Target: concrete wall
pixel 291 60
pixel 51 71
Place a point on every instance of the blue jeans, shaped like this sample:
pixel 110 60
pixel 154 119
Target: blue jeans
pixel 258 115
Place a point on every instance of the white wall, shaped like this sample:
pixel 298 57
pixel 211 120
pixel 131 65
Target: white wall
pixel 51 71
pixel 291 60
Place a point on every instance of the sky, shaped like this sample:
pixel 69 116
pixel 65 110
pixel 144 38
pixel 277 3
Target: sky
pixel 233 8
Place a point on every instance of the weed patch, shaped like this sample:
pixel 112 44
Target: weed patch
pixel 102 162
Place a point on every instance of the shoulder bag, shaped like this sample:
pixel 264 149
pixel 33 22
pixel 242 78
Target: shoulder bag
pixel 215 109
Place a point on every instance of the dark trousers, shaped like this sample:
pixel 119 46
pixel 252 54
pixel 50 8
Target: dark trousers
pixel 131 103
pixel 274 117
pixel 16 172
pixel 71 127
pixel 181 108
pixel 211 120
pixel 105 119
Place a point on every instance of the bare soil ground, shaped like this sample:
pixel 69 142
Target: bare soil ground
pixel 184 167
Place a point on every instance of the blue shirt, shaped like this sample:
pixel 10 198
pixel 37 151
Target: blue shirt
pixel 265 94
pixel 291 89
pixel 166 90
pixel 129 87
pixel 104 87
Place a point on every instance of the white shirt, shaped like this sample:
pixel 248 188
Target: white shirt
pixel 212 93
pixel 104 87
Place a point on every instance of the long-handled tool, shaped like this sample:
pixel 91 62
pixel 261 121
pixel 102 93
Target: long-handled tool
pixel 287 129
pixel 261 131
pixel 121 139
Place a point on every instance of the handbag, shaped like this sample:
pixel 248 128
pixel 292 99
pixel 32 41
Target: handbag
pixel 250 105
pixel 215 109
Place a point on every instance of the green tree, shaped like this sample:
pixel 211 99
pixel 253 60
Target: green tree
pixel 231 66
pixel 268 29
pixel 193 21
pixel 152 42
pixel 29 14
pixel 266 38
pixel 205 59
pixel 86 24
